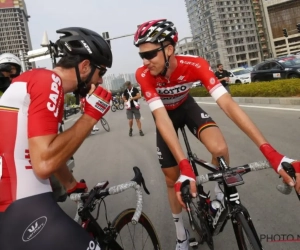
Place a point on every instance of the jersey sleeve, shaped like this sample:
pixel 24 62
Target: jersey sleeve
pixel 46 104
pixel 208 78
pixel 147 84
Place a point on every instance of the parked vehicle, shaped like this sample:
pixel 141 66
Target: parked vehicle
pixel 278 68
pixel 196 84
pixel 239 75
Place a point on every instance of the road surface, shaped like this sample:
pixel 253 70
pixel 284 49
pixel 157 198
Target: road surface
pixel 111 155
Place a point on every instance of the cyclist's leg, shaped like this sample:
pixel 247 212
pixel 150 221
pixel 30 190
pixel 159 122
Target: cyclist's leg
pixel 171 172
pixel 37 222
pixel 129 114
pixel 206 130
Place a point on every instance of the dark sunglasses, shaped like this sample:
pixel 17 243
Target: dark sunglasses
pixel 148 55
pixel 102 70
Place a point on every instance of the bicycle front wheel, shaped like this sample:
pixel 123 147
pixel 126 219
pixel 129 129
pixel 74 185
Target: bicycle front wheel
pixel 121 106
pixel 105 124
pixel 140 236
pixel 113 108
pixel 244 234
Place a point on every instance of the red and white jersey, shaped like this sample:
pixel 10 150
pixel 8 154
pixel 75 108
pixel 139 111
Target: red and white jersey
pixel 171 93
pixel 32 106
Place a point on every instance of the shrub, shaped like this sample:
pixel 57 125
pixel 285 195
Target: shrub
pixel 278 88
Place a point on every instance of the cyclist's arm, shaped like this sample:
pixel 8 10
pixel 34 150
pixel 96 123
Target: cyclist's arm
pixel 65 177
pixel 168 133
pixel 241 119
pixel 162 119
pixel 227 104
pixel 49 152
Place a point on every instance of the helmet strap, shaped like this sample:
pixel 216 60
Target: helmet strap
pixel 167 63
pixel 82 89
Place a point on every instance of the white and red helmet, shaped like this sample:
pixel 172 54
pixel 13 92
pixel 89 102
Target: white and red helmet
pixel 156 31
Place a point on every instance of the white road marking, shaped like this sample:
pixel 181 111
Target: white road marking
pixel 252 106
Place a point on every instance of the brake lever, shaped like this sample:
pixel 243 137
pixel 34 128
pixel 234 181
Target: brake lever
pixel 138 178
pixel 291 172
pixel 185 191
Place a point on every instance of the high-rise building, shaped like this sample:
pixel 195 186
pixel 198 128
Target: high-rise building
pixel 283 14
pixel 186 46
pixel 116 82
pixel 226 31
pixel 14 31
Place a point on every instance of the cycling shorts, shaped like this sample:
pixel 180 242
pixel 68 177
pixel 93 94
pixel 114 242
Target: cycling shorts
pixel 190 114
pixel 37 222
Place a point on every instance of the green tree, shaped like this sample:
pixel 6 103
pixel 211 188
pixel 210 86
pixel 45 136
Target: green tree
pixel 70 99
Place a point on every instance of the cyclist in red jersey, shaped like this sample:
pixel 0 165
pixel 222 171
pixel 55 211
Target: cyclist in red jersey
pixel 31 150
pixel 165 80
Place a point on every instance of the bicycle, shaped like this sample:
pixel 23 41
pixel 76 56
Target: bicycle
pixel 116 105
pixel 110 238
pixel 211 223
pixel 105 124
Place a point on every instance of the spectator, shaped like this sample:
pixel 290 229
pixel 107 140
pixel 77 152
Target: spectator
pixel 223 76
pixel 130 97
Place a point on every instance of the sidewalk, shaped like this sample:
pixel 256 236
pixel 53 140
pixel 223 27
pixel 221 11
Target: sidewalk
pixel 258 100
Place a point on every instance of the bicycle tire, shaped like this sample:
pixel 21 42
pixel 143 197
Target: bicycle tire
pixel 202 229
pixel 113 108
pixel 105 124
pixel 125 217
pixel 121 106
pixel 243 226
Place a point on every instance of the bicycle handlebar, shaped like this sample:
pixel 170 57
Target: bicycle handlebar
pixel 94 196
pixel 255 166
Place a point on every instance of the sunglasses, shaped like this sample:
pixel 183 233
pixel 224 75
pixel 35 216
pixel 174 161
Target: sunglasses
pixel 102 70
pixel 148 55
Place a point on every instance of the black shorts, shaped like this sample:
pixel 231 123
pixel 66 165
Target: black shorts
pixel 37 222
pixel 190 114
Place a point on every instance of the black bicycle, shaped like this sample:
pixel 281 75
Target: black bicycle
pixel 105 124
pixel 213 215
pixel 117 234
pixel 116 105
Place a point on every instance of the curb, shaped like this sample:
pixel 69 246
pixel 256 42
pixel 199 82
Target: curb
pixel 258 100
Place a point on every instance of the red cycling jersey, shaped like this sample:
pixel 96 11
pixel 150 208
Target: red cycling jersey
pixel 171 93
pixel 32 106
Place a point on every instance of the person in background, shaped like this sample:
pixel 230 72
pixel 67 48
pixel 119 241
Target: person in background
pixel 10 67
pixel 223 76
pixel 130 97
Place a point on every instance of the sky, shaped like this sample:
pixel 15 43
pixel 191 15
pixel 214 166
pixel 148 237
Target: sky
pixel 118 17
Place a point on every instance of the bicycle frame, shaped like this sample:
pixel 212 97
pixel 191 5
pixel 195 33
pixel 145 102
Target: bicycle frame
pixel 232 203
pixel 104 239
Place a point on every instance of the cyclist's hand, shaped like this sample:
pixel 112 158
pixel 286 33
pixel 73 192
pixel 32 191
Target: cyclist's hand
pixel 80 187
pixel 187 173
pixel 97 102
pixel 276 159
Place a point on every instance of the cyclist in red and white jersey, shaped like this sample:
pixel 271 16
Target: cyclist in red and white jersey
pixel 31 150
pixel 165 80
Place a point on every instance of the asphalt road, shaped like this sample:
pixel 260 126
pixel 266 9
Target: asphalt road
pixel 111 156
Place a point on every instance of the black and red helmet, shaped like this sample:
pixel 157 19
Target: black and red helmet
pixel 156 31
pixel 85 42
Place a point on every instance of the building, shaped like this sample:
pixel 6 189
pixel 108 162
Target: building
pixel 262 30
pixel 116 82
pixel 14 32
pixel 226 31
pixel 283 14
pixel 186 46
